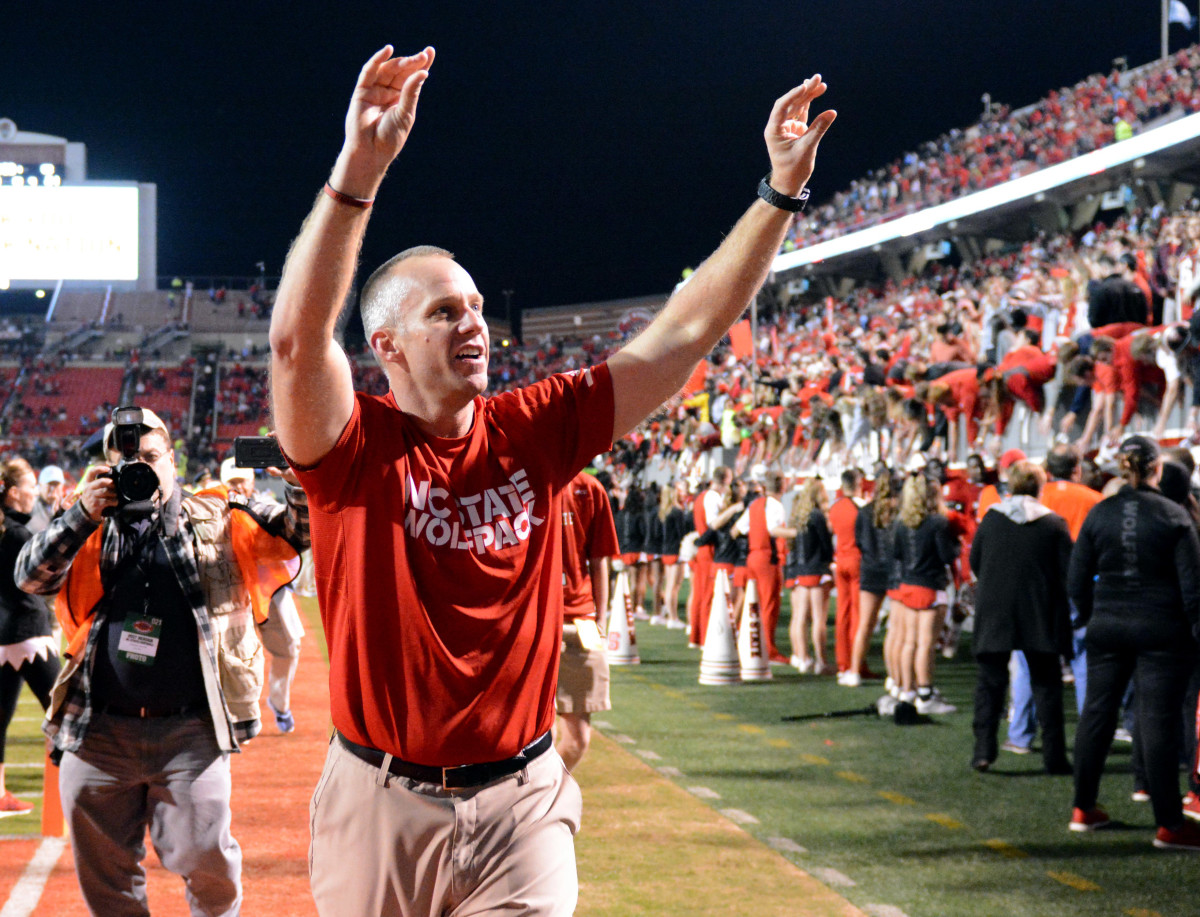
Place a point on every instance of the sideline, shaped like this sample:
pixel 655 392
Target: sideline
pixel 27 892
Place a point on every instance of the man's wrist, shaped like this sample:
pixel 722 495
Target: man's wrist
pixel 87 516
pixel 354 177
pixel 782 195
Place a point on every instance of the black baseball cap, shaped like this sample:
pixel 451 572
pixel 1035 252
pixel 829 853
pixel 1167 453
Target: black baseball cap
pixel 1143 447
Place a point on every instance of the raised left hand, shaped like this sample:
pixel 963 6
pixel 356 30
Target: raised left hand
pixel 791 140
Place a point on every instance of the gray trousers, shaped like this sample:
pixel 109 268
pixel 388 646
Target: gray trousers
pixel 281 634
pixel 166 774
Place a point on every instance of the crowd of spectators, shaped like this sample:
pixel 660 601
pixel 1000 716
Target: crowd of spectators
pixel 1006 144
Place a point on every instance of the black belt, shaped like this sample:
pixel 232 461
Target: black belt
pixel 463 777
pixel 147 713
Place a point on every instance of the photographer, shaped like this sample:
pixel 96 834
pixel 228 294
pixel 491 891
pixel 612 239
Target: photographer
pixel 159 591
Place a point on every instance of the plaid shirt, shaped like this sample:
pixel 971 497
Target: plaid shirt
pixel 44 562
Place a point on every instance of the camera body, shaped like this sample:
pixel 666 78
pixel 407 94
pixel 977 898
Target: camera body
pixel 135 481
pixel 258 452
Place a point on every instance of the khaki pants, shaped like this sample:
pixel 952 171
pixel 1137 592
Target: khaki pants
pixel 394 847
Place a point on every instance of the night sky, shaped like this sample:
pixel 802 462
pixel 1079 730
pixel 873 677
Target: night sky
pixel 582 154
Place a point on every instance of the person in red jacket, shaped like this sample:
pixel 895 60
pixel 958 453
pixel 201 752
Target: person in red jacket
pixel 589 541
pixel 764 523
pixel 1123 366
pixel 958 395
pixel 847 559
pixel 706 509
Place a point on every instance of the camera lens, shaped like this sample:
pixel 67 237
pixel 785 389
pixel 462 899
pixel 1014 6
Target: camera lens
pixel 136 481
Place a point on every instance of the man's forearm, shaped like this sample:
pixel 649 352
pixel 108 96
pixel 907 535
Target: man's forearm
pixel 699 314
pixel 721 289
pixel 599 570
pixel 317 275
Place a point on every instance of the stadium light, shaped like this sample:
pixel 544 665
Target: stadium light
pixel 40 294
pixel 46 168
pixel 3 283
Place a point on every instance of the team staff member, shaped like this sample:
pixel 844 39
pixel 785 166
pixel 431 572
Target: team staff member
pixel 589 540
pixel 847 561
pixel 706 510
pixel 1135 582
pixel 437 530
pixel 163 673
pixel 764 523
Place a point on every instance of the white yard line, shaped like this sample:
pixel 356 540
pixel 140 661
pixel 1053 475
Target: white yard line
pixel 26 894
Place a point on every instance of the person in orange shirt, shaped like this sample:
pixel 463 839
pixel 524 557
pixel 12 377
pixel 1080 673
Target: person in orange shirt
pixel 1065 494
pixel 847 560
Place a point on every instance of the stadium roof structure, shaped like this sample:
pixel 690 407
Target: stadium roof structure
pixel 1161 164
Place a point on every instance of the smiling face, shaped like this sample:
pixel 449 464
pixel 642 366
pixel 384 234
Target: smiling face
pixel 435 352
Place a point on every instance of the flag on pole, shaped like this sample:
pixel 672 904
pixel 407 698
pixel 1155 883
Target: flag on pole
pixel 1178 12
pixel 741 340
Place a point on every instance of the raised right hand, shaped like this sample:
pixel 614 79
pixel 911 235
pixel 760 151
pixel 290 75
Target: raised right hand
pixel 99 492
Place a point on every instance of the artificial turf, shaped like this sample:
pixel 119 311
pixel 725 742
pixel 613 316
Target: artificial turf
pixel 892 816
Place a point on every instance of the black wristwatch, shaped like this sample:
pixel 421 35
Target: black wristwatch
pixel 782 201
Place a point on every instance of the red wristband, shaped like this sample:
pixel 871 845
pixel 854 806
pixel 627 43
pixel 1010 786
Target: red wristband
pixel 357 202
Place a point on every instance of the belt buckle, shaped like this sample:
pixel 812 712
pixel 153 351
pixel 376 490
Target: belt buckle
pixel 447 771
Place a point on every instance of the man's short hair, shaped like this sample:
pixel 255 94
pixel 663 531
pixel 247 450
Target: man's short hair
pixel 722 474
pixel 851 478
pixel 378 309
pixel 1062 461
pixel 1182 455
pixel 1026 479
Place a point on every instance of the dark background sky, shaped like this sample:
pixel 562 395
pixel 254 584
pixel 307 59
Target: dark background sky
pixel 570 152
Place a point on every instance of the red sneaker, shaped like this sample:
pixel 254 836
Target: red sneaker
pixel 10 805
pixel 1185 837
pixel 1191 806
pixel 1091 820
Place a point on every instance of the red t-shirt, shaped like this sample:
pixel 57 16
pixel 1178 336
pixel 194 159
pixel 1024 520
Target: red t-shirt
pixel 588 532
pixel 439 568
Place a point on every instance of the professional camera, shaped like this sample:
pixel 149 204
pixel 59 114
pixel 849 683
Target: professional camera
pixel 136 482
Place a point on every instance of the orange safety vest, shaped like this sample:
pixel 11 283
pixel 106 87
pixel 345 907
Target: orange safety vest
pixel 260 556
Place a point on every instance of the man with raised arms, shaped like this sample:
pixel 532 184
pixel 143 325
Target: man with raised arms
pixel 437 529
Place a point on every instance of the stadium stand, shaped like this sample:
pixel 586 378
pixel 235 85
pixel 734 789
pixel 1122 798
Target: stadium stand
pixel 63 401
pixel 1093 113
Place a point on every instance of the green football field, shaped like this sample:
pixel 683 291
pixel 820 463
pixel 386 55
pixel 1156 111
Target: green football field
pixel 892 817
